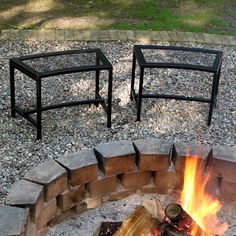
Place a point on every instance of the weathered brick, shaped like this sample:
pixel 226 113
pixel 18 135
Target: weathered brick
pixel 120 193
pixel 166 182
pixel 224 162
pixel 184 150
pixel 93 202
pixel 13 220
pixel 27 194
pixel 81 207
pixel 150 188
pixel 51 175
pixel 228 190
pixel 102 185
pixel 42 232
pixel 82 166
pixel 62 216
pixel 212 186
pixel 70 197
pixel 116 157
pixel 152 155
pixel 31 229
pixel 135 179
pixel 48 213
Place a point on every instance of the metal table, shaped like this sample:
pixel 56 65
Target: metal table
pixel 26 64
pixel 214 68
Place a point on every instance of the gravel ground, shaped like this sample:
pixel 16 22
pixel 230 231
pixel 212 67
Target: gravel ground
pixel 69 129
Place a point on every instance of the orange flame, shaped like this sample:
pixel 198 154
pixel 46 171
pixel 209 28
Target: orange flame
pixel 201 206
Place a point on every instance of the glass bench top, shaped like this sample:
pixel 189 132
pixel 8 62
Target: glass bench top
pixel 64 61
pixel 149 55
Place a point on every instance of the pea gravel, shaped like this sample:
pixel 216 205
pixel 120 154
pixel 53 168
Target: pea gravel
pixel 69 129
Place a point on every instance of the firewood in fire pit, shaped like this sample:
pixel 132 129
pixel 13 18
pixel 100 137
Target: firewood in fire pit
pixel 181 220
pixel 153 206
pixel 140 222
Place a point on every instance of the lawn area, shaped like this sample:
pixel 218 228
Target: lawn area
pixel 211 16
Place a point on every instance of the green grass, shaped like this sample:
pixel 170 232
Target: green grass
pixel 184 15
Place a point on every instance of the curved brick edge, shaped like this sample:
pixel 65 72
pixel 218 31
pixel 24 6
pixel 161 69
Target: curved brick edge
pixel 57 189
pixel 115 35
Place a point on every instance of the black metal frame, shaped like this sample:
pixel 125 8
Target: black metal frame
pixel 138 55
pixel 18 63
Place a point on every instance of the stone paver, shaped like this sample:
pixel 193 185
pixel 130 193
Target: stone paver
pixel 116 35
pixel 152 155
pixel 26 194
pixel 116 157
pixel 50 174
pixel 173 36
pixel 224 162
pixel 82 166
pixel 12 220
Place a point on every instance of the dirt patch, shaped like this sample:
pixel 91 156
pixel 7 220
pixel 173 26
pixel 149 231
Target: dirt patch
pixel 83 22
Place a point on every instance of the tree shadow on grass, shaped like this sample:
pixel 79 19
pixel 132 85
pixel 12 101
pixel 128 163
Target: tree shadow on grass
pixel 100 14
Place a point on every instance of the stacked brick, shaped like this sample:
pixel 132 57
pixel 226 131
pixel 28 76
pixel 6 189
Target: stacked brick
pixel 57 189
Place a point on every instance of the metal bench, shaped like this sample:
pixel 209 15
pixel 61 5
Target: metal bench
pixel 23 64
pixel 214 68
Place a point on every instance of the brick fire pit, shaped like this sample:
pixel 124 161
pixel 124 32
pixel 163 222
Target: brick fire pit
pixel 57 189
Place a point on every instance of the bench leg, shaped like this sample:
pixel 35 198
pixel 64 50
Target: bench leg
pixel 213 97
pixel 97 84
pixel 109 100
pixel 140 92
pixel 133 78
pixel 12 90
pixel 38 108
pixel 217 85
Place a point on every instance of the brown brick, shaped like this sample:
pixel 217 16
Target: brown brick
pixel 182 150
pixel 48 213
pixel 150 188
pixel 51 175
pixel 71 197
pixel 228 190
pixel 82 166
pixel 27 194
pixel 121 193
pixel 212 186
pixel 31 229
pixel 42 232
pixel 152 155
pixel 93 202
pixel 167 182
pixel 224 162
pixel 62 216
pixel 116 157
pixel 81 207
pixel 135 179
pixel 102 185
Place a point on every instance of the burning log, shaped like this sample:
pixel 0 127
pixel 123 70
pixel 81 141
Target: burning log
pixel 181 220
pixel 171 231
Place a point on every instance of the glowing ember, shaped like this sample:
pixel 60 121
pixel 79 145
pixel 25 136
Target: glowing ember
pixel 201 206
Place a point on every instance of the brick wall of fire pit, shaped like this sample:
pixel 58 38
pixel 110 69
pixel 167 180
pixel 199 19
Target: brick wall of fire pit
pixel 57 189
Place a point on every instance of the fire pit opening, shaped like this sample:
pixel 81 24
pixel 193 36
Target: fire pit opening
pixel 148 188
